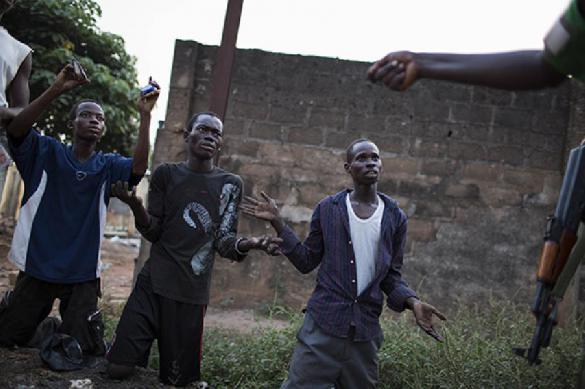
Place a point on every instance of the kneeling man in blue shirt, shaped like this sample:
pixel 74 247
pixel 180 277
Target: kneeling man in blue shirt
pixel 56 243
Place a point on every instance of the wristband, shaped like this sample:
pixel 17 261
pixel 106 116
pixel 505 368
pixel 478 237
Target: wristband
pixel 237 244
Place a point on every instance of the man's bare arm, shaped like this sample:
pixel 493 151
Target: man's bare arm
pixel 18 91
pixel 142 148
pixel 513 70
pixel 66 79
pixel 516 70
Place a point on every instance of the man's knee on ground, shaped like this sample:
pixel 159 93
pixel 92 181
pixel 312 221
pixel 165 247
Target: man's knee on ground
pixel 119 372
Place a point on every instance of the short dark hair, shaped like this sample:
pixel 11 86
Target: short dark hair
pixel 73 112
pixel 194 118
pixel 349 149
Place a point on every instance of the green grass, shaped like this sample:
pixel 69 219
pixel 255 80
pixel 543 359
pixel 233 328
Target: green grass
pixel 257 361
pixel 476 353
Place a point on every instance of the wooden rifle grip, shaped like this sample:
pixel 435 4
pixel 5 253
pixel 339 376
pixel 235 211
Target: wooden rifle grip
pixel 568 240
pixel 547 261
pixel 554 257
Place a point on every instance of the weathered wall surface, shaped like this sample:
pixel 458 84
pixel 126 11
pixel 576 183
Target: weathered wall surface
pixel 476 170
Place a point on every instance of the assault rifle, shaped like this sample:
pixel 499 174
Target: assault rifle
pixel 558 254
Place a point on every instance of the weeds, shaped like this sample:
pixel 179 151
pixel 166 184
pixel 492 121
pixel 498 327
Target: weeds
pixel 476 353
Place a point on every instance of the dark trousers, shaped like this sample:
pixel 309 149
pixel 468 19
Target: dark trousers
pixel 31 302
pixel 322 361
pixel 177 327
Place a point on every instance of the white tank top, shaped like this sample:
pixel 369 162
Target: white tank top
pixel 365 238
pixel 12 54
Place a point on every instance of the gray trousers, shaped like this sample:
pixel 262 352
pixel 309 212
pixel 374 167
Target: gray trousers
pixel 322 361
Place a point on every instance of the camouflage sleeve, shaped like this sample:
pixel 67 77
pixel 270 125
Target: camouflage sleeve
pixel 565 43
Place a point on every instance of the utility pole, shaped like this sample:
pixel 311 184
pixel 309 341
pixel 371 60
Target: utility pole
pixel 222 72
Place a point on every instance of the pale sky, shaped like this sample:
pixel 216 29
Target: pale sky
pixel 362 30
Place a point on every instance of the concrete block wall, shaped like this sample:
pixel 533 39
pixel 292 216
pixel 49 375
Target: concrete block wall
pixel 477 170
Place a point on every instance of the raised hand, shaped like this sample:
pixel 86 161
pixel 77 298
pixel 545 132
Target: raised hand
pixel 71 76
pixel 265 209
pixel 398 70
pixel 121 190
pixel 423 313
pixel 146 102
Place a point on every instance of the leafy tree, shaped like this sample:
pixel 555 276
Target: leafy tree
pixel 58 30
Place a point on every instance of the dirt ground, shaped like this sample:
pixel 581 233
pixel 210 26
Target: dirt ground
pixel 22 368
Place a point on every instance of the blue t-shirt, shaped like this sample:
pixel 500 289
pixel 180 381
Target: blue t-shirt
pixel 63 214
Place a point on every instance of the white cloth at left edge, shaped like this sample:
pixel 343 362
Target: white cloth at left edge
pixel 12 54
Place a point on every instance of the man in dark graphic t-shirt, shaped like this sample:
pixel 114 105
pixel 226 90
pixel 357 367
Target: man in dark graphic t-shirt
pixel 201 206
pixel 192 213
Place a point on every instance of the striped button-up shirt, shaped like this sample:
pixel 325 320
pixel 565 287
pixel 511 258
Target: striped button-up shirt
pixel 334 304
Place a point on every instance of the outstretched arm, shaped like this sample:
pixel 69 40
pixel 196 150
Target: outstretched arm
pixel 305 256
pixel 516 70
pixel 145 106
pixel 66 79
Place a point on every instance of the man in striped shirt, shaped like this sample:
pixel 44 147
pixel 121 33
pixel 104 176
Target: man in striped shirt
pixel 357 239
